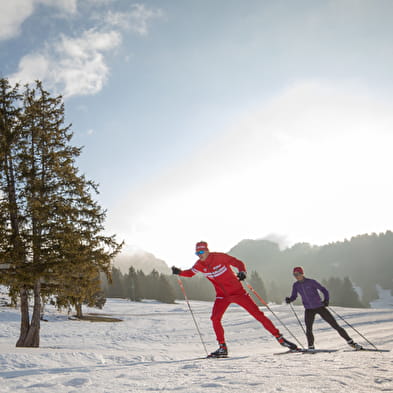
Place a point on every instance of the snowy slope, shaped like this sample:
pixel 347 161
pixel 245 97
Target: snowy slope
pixel 155 349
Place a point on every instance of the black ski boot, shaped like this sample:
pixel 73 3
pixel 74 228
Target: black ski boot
pixel 222 352
pixel 286 343
pixel 354 345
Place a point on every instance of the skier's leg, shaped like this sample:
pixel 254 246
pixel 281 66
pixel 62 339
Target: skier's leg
pixel 220 305
pixel 247 303
pixel 328 317
pixel 309 317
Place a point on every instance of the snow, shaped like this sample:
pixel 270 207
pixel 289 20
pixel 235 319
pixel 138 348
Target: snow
pixel 385 298
pixel 156 349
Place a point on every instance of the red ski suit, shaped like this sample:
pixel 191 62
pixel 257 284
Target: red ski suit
pixel 217 269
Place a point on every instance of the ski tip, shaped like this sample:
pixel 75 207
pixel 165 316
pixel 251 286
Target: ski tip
pixel 307 351
pixel 367 350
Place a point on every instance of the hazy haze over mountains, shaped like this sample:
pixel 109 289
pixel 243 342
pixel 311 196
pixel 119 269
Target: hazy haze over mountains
pixel 365 259
pixel 141 260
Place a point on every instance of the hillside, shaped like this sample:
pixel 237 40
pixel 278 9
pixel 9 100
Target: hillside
pixel 366 259
pixel 141 260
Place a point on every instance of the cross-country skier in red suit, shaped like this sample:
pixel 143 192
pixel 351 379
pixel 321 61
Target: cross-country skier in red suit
pixel 216 267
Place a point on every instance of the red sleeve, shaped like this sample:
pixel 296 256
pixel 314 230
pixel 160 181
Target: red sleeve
pixel 238 264
pixel 190 272
pixel 187 273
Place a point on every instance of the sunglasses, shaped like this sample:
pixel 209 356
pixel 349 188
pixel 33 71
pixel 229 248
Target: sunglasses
pixel 200 252
pixel 297 274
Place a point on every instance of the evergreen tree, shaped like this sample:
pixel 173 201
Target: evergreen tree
pixel 275 294
pixel 13 246
pixel 197 288
pixel 350 298
pixel 341 292
pixel 257 283
pixel 131 285
pixel 166 293
pixel 152 290
pixel 54 226
pixel 116 287
pixel 334 286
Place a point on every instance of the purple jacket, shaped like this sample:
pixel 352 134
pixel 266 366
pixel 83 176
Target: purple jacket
pixel 308 290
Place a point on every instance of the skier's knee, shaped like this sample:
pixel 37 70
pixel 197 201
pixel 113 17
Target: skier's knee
pixel 215 319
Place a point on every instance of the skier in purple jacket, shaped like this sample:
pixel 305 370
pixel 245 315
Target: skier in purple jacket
pixel 313 304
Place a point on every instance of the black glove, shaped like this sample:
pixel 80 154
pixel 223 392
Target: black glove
pixel 241 276
pixel 287 300
pixel 176 270
pixel 325 302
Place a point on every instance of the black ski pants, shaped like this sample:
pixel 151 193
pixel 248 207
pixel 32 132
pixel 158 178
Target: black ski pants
pixel 309 317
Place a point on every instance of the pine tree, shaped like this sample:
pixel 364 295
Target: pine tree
pixel 116 287
pixel 349 297
pixel 257 283
pixel 342 292
pixel 275 294
pixel 131 284
pixel 13 246
pixel 142 281
pixel 165 292
pixel 58 224
pixel 152 287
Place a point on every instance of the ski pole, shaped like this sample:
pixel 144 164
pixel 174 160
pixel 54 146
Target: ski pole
pixel 293 309
pixel 361 335
pixel 193 317
pixel 266 305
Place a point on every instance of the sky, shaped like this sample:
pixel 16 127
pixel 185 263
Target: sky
pixel 220 120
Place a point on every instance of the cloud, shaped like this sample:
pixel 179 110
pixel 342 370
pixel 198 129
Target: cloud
pixel 100 2
pixel 69 6
pixel 136 20
pixel 312 164
pixel 14 13
pixel 72 66
pixel 76 65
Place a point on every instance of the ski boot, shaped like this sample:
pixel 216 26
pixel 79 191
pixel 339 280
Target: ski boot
pixel 354 345
pixel 222 352
pixel 286 343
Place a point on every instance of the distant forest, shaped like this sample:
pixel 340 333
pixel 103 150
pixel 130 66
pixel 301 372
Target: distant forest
pixel 135 286
pixel 363 262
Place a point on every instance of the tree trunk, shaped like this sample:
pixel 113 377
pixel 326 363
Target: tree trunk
pixel 78 308
pixel 32 337
pixel 25 319
pixel 42 311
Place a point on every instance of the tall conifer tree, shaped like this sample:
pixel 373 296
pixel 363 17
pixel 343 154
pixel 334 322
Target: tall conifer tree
pixel 60 225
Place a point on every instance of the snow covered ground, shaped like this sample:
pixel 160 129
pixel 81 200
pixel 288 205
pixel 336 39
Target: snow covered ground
pixel 155 349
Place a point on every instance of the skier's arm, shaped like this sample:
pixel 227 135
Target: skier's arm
pixel 324 291
pixel 187 273
pixel 293 294
pixel 183 273
pixel 239 265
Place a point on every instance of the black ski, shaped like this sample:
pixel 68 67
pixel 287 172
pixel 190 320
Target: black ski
pixel 306 351
pixel 367 350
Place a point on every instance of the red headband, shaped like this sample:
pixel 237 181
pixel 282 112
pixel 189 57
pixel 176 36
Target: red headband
pixel 201 246
pixel 298 270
